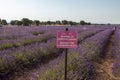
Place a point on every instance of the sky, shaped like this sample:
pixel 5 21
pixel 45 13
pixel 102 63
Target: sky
pixel 94 11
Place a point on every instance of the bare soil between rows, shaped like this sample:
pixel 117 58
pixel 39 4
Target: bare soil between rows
pixel 104 68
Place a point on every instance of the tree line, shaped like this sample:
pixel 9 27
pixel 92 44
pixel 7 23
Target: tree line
pixel 28 22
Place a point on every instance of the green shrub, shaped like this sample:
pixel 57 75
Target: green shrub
pixel 6 46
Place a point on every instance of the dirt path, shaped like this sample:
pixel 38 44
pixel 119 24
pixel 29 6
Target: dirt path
pixel 104 69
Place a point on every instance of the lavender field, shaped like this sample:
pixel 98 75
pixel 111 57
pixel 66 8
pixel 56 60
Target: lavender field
pixel 30 53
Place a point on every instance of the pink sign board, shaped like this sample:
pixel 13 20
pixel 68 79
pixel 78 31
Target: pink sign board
pixel 67 39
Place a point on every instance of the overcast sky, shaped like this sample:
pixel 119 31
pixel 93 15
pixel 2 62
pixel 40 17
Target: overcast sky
pixel 95 11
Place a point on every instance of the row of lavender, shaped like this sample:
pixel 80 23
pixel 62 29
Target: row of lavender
pixel 15 37
pixel 6 44
pixel 80 60
pixel 18 32
pixel 25 40
pixel 82 35
pixel 116 53
pixel 26 55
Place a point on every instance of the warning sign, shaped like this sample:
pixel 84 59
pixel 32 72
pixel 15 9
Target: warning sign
pixel 67 39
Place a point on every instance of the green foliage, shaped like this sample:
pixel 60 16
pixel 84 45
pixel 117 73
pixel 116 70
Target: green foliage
pixel 17 44
pixel 53 74
pixel 44 39
pixel 82 22
pixel 5 46
pixel 64 22
pixel 49 75
pixel 4 22
pixel 49 22
pixel 72 23
pixel 0 21
pixel 27 41
pixel 25 58
pixel 13 37
pixel 18 23
pixel 12 22
pixel 36 22
pixel 52 44
pixel 37 33
pixel 26 21
pixel 58 73
pixel 58 22
pixel 20 57
pixel 3 67
pixel 0 25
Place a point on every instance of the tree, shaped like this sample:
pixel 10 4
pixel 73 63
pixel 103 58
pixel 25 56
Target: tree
pixel 72 23
pixel 12 22
pixel 53 23
pixel 4 22
pixel 18 22
pixel 43 23
pixel 37 22
pixel 58 22
pixel 49 22
pixel 82 22
pixel 88 23
pixel 26 21
pixel 0 21
pixel 64 22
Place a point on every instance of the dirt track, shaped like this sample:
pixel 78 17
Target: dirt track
pixel 104 69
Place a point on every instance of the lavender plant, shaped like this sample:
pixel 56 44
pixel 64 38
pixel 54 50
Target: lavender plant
pixel 80 60
pixel 116 54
